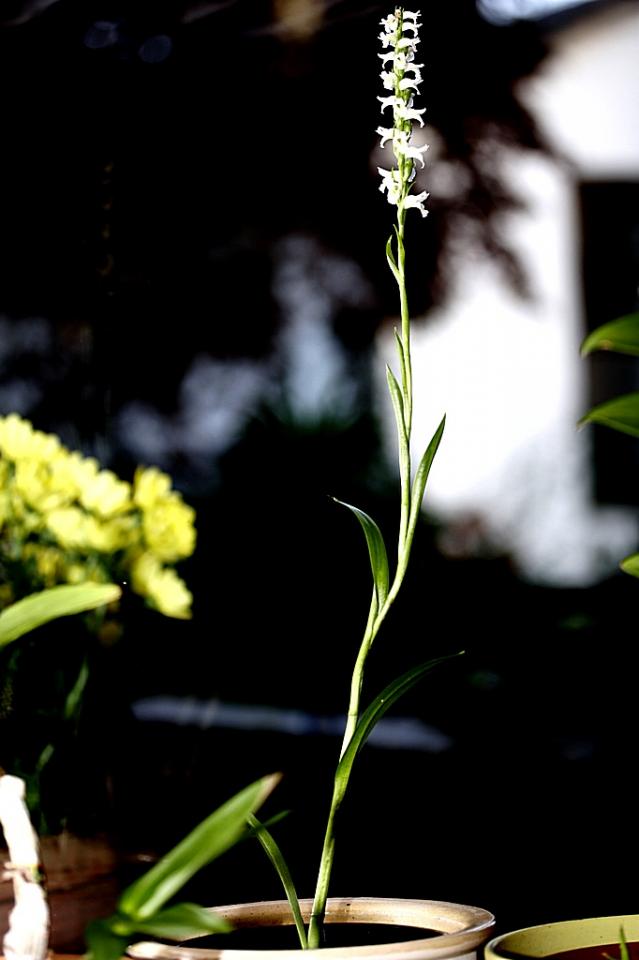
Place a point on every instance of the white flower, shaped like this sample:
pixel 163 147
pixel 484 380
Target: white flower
pixel 391 183
pixel 406 113
pixel 394 102
pixel 417 200
pixel 408 84
pixel 388 80
pixel 386 133
pixel 399 40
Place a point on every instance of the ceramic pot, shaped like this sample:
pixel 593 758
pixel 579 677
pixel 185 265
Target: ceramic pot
pixel 460 930
pixel 82 883
pixel 553 938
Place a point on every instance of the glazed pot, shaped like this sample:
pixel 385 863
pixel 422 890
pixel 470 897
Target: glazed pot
pixel 82 883
pixel 549 939
pixel 460 930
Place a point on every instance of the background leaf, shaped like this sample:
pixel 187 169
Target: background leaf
pixel 207 841
pixel 621 336
pixel 631 565
pixel 38 608
pixel 102 943
pixel 621 413
pixel 181 921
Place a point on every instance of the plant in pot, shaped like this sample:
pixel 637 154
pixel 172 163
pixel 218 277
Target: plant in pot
pixel 594 938
pixel 452 930
pixel 437 929
pixel 66 523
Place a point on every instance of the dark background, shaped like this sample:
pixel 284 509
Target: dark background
pixel 154 156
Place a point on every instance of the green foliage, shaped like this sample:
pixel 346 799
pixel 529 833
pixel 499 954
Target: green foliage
pixel 620 413
pixel 38 608
pixel 631 565
pixel 620 336
pixel 376 710
pixel 276 857
pixel 376 552
pixel 141 907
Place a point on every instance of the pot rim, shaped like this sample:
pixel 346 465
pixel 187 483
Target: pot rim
pixel 545 939
pixel 462 929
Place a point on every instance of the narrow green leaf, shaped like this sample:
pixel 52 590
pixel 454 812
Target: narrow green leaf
pixel 74 697
pixel 390 257
pixel 621 336
pixel 631 565
pixel 102 943
pixel 181 921
pixel 398 405
pixel 376 550
pixel 273 852
pixel 397 399
pixel 624 950
pixel 401 353
pixel 207 841
pixel 421 476
pixel 621 413
pixel 376 710
pixel 39 608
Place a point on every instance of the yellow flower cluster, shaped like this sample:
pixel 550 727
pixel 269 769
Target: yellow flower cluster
pixel 64 520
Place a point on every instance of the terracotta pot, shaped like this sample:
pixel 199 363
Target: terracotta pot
pixel 461 930
pixel 82 884
pixel 552 938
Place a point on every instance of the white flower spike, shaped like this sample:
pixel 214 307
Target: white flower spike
pixel 399 40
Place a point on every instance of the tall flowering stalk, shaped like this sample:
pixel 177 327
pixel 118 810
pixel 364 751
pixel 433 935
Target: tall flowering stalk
pixel 401 77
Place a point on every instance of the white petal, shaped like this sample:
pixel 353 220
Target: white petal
pixel 406 113
pixel 388 80
pixel 386 133
pixel 393 102
pixel 415 153
pixel 417 201
pixel 407 83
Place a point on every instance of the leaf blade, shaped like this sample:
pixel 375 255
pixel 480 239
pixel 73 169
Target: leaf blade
pixel 423 471
pixel 61 601
pixel 620 413
pixel 181 921
pixel 273 852
pixel 376 550
pixel 216 834
pixel 378 707
pixel 620 336
pixel 631 565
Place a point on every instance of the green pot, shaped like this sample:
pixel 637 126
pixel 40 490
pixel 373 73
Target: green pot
pixel 461 931
pixel 551 938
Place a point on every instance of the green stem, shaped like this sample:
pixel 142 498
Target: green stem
pixel 376 614
pixel 318 909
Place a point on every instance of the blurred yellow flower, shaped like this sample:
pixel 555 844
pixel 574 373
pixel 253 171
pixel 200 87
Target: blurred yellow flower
pixel 63 519
pixel 105 494
pixel 169 528
pixel 149 486
pixel 162 586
